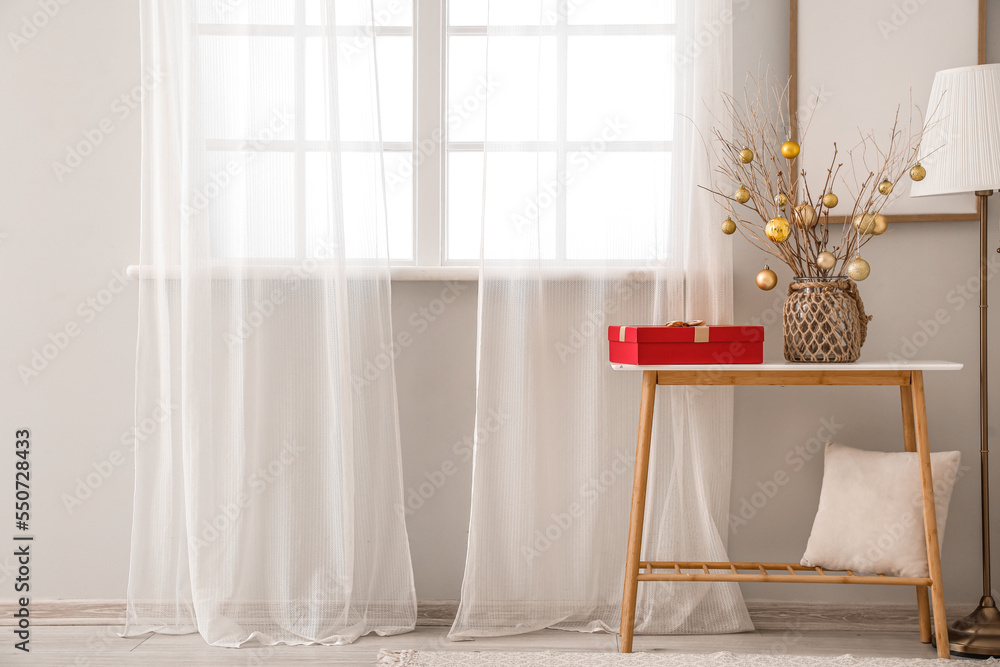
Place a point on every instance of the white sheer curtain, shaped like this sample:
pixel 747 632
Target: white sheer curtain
pixel 269 465
pixel 606 225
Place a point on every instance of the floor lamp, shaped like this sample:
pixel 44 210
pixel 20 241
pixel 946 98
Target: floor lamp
pixel 964 116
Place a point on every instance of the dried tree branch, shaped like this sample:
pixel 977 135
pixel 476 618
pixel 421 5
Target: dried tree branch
pixel 760 121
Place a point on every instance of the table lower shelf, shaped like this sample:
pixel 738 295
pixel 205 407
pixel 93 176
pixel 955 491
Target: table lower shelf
pixel 792 573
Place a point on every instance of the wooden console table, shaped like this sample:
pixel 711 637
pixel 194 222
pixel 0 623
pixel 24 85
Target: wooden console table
pixel 909 377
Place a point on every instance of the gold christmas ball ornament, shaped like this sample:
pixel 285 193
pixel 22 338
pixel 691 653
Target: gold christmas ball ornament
pixel 881 224
pixel 728 226
pixel 777 229
pixel 885 187
pixel 858 269
pixel 781 199
pixel 790 149
pixel 767 279
pixel 746 156
pixel 830 200
pixel 805 216
pixel 742 195
pixel 825 260
pixel 865 223
pixel 917 173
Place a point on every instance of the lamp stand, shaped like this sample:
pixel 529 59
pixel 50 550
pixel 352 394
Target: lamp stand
pixel 978 634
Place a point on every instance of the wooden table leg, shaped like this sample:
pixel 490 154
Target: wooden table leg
pixel 910 445
pixel 638 508
pixel 930 513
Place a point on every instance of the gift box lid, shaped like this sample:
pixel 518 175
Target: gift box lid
pixel 687 334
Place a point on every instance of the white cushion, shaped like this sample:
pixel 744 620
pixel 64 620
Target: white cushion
pixel 870 518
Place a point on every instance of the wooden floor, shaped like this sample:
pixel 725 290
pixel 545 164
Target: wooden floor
pixel 96 646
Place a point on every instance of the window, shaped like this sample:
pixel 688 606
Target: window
pixel 594 115
pixel 276 132
pixel 580 93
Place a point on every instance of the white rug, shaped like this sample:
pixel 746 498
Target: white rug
pixel 413 658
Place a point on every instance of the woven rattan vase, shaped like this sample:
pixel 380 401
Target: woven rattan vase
pixel 824 320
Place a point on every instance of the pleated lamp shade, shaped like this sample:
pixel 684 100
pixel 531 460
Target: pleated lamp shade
pixel 962 132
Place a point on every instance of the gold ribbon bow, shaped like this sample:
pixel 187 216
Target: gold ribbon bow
pixel 700 329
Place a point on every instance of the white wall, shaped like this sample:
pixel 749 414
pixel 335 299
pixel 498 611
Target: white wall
pixel 65 240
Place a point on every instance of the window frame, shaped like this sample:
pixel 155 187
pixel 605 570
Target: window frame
pixel 561 146
pixel 430 128
pixel 430 144
pixel 299 146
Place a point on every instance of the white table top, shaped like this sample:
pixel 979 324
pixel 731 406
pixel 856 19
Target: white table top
pixel 776 366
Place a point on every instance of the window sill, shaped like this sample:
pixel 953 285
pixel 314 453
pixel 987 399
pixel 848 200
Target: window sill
pixel 398 273
pixel 434 273
pixel 279 270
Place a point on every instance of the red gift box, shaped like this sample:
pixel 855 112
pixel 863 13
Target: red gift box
pixel 686 345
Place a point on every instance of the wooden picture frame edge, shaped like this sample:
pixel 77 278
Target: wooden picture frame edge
pixel 793 103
